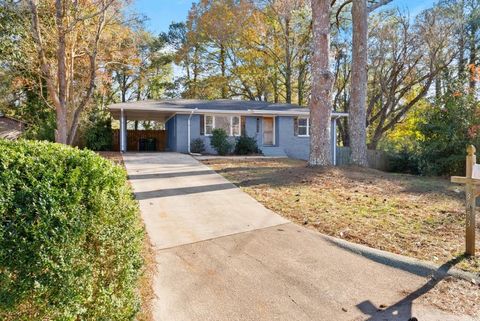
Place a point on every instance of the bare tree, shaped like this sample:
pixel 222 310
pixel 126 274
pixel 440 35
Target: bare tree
pixel 404 62
pixel 322 83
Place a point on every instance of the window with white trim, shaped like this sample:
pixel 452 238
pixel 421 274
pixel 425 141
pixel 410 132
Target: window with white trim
pixel 231 124
pixel 208 125
pixel 236 126
pixel 303 126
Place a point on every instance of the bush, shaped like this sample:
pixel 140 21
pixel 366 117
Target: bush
pixel 70 235
pixel 197 146
pixel 448 128
pixel 246 145
pixel 220 141
pixel 98 133
pixel 404 161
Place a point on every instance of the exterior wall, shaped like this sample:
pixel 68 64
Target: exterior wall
pixel 293 146
pixel 171 134
pixel 286 143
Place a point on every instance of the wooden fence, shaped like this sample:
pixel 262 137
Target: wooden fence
pixel 134 137
pixel 376 158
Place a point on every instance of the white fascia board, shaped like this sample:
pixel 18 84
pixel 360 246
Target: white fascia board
pixel 185 111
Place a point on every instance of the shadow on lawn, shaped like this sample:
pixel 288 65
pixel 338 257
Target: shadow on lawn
pixel 353 177
pixel 402 310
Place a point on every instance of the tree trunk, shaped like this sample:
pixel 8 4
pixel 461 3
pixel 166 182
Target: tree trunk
pixel 223 69
pixel 61 110
pixel 322 83
pixel 461 42
pixel 288 64
pixel 473 57
pixel 358 89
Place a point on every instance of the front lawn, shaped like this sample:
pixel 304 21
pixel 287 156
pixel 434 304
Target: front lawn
pixel 409 215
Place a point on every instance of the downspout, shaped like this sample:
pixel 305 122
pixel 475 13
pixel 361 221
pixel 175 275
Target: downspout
pixel 188 128
pixel 334 125
pixel 122 129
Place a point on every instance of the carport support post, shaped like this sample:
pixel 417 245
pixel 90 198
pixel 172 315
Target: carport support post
pixel 334 141
pixel 123 132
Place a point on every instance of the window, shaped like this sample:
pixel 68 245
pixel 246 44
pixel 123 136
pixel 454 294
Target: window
pixel 303 126
pixel 208 124
pixel 231 124
pixel 235 126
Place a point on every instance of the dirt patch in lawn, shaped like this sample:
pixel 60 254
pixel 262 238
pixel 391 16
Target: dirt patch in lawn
pixel 404 214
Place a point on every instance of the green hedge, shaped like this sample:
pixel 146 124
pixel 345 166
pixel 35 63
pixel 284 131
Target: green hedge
pixel 70 235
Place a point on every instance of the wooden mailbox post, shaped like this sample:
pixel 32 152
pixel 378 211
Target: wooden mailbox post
pixel 472 191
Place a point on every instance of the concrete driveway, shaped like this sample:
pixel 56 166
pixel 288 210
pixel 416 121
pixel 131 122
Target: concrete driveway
pixel 221 255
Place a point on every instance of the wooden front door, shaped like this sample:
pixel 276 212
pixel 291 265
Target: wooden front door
pixel 268 131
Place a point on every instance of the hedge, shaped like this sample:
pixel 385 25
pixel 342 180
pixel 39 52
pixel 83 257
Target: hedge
pixel 70 235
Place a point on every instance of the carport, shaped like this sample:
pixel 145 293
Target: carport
pixel 139 140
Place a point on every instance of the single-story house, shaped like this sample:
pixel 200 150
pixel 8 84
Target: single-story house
pixel 280 129
pixel 10 128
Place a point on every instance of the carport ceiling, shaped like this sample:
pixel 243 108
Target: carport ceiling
pixel 139 114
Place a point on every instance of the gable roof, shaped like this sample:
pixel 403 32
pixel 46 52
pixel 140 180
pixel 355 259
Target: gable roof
pixel 187 106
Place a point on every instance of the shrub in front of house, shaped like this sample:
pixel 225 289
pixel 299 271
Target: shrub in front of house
pixel 220 142
pixel 197 146
pixel 98 133
pixel 246 145
pixel 70 235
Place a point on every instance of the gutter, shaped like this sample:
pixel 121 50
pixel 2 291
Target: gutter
pixel 256 112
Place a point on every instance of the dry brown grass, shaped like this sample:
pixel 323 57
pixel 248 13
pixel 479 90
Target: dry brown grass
pixel 452 295
pixel 115 157
pixel 145 285
pixel 404 214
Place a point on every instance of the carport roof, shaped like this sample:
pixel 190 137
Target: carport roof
pixel 149 109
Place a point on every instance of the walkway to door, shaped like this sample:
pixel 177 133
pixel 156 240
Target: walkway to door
pixel 223 256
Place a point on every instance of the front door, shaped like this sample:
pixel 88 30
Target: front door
pixel 268 131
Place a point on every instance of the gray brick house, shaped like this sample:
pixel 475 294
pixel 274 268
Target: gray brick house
pixel 280 129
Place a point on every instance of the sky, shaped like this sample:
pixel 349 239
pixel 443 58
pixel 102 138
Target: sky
pixel 161 13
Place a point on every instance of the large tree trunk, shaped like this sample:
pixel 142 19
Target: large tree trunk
pixel 322 83
pixel 358 89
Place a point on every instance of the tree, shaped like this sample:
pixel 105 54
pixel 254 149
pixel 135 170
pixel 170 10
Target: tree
pixel 358 97
pixel 404 61
pixel 322 83
pixel 74 44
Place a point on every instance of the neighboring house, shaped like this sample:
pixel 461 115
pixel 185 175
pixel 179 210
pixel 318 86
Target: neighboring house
pixel 10 128
pixel 280 129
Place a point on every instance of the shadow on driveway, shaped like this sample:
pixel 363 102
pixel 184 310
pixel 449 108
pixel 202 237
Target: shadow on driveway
pixel 183 191
pixel 170 175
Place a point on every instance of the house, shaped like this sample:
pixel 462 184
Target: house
pixel 280 129
pixel 10 128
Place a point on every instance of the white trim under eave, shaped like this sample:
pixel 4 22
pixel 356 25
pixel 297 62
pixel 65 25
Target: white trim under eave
pixel 184 111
